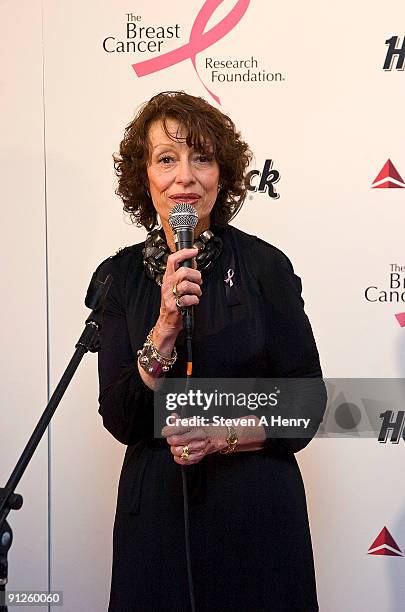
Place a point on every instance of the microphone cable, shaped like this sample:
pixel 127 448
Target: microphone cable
pixel 183 219
pixel 185 489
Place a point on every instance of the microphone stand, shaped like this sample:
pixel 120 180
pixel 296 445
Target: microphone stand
pixel 9 500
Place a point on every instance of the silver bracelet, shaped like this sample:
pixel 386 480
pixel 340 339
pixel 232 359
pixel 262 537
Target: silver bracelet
pixel 152 361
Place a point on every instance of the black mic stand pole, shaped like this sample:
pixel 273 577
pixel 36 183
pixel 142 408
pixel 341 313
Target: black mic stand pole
pixel 9 500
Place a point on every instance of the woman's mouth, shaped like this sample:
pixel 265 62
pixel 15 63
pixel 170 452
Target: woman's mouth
pixel 188 198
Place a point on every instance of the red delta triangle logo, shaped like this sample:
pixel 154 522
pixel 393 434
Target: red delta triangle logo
pixel 384 544
pixel 199 40
pixel 388 178
pixel 400 317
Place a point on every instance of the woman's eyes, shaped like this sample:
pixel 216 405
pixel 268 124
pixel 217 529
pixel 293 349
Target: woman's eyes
pixel 166 159
pixel 204 158
pixel 201 158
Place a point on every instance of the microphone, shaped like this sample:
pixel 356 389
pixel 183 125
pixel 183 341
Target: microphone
pixel 183 219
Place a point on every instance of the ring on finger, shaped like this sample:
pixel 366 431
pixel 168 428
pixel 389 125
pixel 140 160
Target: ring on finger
pixel 174 290
pixel 185 453
pixel 179 306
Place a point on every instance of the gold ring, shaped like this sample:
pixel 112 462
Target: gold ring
pixel 179 306
pixel 186 453
pixel 174 290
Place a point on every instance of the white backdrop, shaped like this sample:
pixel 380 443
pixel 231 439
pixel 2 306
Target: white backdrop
pixel 329 127
pixel 24 291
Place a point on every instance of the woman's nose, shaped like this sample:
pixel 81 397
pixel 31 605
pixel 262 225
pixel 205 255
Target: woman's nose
pixel 184 172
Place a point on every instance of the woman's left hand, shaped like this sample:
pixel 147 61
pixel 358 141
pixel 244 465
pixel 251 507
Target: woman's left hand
pixel 200 441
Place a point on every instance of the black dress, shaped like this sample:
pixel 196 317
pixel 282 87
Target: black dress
pixel 250 540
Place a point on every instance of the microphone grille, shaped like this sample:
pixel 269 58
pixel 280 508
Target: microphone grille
pixel 183 215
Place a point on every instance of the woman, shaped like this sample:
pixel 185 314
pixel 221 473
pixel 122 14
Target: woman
pixel 250 540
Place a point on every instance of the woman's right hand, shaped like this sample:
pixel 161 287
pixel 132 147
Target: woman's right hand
pixel 188 288
pixel 169 323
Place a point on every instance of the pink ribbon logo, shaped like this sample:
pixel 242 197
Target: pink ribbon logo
pixel 198 41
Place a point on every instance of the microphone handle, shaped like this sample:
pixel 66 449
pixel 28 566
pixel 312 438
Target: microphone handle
pixel 184 239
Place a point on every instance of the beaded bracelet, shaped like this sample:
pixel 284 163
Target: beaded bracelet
pixel 152 361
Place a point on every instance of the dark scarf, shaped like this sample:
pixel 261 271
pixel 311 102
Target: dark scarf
pixel 156 252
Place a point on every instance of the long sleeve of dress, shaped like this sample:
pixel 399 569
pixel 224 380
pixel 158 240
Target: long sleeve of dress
pixel 290 344
pixel 125 401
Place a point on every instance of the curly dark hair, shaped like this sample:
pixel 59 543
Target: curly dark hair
pixel 203 123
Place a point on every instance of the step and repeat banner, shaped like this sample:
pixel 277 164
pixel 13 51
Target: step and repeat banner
pixel 317 91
